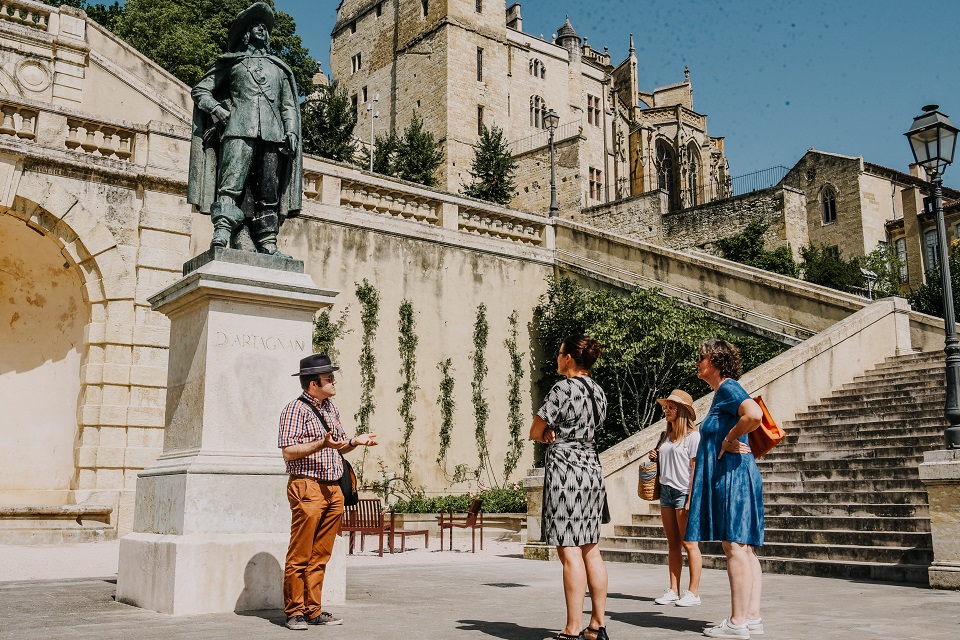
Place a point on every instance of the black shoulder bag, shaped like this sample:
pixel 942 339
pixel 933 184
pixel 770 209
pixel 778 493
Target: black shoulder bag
pixel 348 481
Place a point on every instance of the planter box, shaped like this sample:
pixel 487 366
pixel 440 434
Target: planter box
pixel 494 522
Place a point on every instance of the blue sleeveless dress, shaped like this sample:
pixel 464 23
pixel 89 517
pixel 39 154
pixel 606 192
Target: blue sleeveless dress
pixel 727 500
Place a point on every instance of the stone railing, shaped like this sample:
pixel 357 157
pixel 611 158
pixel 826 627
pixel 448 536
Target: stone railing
pixel 675 113
pixel 99 138
pixel 18 121
pixel 59 128
pixel 30 14
pixel 352 189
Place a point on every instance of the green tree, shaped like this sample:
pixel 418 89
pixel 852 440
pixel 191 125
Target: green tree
pixel 186 36
pixel 928 297
pixel 328 122
pixel 747 247
pixel 493 168
pixel 826 266
pixel 384 152
pixel 418 155
pixel 884 262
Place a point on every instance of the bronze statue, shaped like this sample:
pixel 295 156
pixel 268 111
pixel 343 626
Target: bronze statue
pixel 246 161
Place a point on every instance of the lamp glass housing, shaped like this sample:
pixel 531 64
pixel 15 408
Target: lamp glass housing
pixel 933 139
pixel 551 120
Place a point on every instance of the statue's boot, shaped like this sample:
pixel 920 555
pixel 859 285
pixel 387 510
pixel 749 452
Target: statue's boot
pixel 227 218
pixel 263 229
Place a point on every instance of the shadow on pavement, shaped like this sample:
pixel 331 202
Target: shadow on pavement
pixel 656 620
pixel 505 630
pixel 628 596
pixel 273 616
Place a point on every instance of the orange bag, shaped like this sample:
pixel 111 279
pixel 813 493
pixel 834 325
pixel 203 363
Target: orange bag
pixel 767 435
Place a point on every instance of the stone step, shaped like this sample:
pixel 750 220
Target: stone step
pixel 847 509
pixel 885 429
pixel 44 524
pixel 803 522
pixel 835 552
pixel 848 570
pixel 867 422
pixel 842 488
pixel 873 412
pixel 792 474
pixel 913 392
pixel 917 539
pixel 769 464
pixel 893 375
pixel 813 452
pixel 916 496
pixel 817 442
pixel 931 358
pixel 910 366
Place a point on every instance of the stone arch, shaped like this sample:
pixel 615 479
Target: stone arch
pixel 86 245
pixel 9 85
pixel 829 195
pixel 666 167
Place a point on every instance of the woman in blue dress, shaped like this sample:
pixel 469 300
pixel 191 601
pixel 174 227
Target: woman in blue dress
pixel 727 500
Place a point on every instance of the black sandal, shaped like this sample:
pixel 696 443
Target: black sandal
pixel 567 636
pixel 601 633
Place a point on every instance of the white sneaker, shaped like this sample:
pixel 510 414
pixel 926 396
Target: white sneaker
pixel 755 627
pixel 727 630
pixel 688 600
pixel 669 596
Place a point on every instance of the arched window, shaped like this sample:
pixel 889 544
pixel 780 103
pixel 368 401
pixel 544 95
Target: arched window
pixel 537 69
pixel 828 202
pixel 693 174
pixel 538 112
pixel 666 166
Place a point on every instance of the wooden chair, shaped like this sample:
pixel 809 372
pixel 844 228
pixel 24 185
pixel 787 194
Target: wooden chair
pixel 367 518
pixel 473 520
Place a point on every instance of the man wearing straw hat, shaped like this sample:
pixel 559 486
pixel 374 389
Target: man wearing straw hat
pixel 312 440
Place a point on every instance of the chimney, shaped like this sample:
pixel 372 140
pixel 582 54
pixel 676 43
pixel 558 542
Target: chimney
pixel 514 19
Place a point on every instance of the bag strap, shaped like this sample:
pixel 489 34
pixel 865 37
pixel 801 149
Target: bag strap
pixel 322 420
pixel 594 404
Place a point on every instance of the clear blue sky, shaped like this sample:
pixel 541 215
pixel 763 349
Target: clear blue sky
pixel 775 78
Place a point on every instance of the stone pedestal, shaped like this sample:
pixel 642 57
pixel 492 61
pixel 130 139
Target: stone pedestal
pixel 211 522
pixel 534 549
pixel 940 472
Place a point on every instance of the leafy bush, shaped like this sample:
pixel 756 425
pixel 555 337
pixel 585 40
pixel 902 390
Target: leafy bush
pixel 747 248
pixel 928 297
pixel 509 500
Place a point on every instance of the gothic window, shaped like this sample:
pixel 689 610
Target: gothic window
pixel 537 69
pixel 828 203
pixel 596 184
pixel 901 246
pixel 538 112
pixel 667 173
pixel 931 249
pixel 693 174
pixel 593 110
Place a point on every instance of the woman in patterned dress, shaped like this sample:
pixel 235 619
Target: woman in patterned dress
pixel 727 500
pixel 573 489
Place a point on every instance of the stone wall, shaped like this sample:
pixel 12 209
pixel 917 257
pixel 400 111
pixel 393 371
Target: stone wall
pixel 533 178
pixel 781 208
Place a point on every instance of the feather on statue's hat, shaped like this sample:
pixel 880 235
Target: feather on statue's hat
pixel 258 12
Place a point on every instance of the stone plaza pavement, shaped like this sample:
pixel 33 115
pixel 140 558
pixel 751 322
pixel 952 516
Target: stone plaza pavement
pixel 428 594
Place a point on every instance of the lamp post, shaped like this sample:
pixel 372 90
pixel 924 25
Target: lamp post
pixel 373 116
pixel 552 120
pixel 933 139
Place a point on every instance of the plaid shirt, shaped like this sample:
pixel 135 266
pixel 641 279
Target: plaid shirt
pixel 299 424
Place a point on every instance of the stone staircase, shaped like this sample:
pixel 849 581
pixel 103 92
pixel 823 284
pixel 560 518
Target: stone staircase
pixel 842 493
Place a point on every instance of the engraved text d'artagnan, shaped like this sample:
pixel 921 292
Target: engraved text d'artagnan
pixel 261 343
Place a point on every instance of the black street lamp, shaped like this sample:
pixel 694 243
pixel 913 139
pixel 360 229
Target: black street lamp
pixel 552 120
pixel 933 139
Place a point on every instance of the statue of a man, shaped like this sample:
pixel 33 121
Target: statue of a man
pixel 246 162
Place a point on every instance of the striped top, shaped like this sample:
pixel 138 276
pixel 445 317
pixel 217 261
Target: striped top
pixel 299 424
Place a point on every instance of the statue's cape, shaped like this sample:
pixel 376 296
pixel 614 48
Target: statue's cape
pixel 205 151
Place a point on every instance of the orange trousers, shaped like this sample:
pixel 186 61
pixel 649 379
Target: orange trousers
pixel 316 511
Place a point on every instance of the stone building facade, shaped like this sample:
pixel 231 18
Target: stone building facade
pixel 463 63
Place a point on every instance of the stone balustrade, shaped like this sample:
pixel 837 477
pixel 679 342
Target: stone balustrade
pixel 30 14
pixel 18 121
pixel 507 227
pixel 99 138
pixel 388 202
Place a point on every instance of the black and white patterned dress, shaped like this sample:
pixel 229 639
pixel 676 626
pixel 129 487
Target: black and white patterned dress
pixel 573 489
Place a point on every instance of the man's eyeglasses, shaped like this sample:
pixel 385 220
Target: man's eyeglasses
pixel 322 380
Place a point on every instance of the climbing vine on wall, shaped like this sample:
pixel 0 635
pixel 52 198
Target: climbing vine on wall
pixel 326 332
pixel 514 419
pixel 447 406
pixel 408 388
pixel 481 408
pixel 369 299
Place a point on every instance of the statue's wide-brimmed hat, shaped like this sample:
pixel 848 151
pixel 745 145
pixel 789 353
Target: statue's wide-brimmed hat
pixel 315 365
pixel 258 12
pixel 683 401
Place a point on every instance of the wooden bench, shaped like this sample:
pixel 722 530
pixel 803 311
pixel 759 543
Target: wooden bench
pixel 367 518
